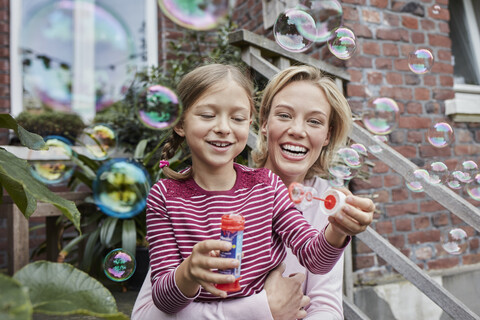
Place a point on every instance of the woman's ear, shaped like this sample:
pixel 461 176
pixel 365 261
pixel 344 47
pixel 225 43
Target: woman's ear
pixel 179 129
pixel 327 140
pixel 263 129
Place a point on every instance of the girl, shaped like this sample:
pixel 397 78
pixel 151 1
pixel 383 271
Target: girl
pixel 183 212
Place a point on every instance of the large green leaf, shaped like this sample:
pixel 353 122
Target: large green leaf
pixel 28 139
pixel 61 289
pixel 14 301
pixel 26 190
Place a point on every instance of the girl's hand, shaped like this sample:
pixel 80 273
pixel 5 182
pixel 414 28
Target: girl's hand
pixel 196 270
pixel 354 217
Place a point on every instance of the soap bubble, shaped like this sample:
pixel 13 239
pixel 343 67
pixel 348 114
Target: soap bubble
pixel 119 265
pixel 342 171
pixel 420 61
pixel 376 148
pixel 454 180
pixel 360 148
pixel 343 43
pixel 381 117
pixel 121 188
pixel 48 38
pixel 290 27
pixel 469 170
pixel 438 172
pixel 158 107
pixel 454 241
pixel 327 14
pixel 473 188
pixel 196 14
pixel 420 177
pixel 440 135
pixel 337 182
pixel 350 157
pixel 57 166
pixel 99 141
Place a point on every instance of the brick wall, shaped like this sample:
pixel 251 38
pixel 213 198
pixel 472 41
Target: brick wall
pixel 387 31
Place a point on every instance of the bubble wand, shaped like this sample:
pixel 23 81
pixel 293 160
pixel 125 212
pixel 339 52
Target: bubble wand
pixel 332 199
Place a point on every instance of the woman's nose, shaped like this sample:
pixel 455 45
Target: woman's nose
pixel 297 129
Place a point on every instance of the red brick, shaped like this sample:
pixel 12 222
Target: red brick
pixel 430 81
pixel 462 135
pixel 381 196
pixel 384 227
pixel 407 151
pixel 394 78
pixel 397 209
pixel 443 263
pixel 379 3
pixel 440 220
pixel 392 20
pixel 403 224
pixel 361 247
pixel 414 123
pixel 439 41
pixel 362 262
pixel 446 81
pixel 442 14
pixel 390 49
pixel 359 62
pixel 423 236
pixel 371 16
pixel 383 63
pixel 444 55
pixel 396 93
pixel 474 244
pixel 422 94
pixel 392 180
pixel 350 14
pixel 361 30
pixel 414 108
pixel 471 258
pixel 462 150
pixel 412 79
pixel 410 22
pixel 373 182
pixel 406 49
pixel 421 222
pixel 355 75
pixel 424 253
pixel 380 167
pixel 418 37
pixel 399 194
pixel 439 67
pixel 431 151
pixel 456 220
pixel 374 77
pixel 444 27
pixel 371 48
pixel 398 241
pixel 443 94
pixel 393 34
pixel 354 90
pixel 427 24
pixel 415 137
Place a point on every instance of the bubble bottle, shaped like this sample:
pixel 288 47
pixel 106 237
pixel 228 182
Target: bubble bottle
pixel 232 227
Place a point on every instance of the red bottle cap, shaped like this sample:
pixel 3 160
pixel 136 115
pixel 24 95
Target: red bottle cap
pixel 230 287
pixel 233 222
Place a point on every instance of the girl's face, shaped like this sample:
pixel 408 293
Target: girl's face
pixel 297 129
pixel 216 126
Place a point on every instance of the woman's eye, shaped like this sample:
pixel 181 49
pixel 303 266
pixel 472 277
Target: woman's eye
pixel 239 119
pixel 315 122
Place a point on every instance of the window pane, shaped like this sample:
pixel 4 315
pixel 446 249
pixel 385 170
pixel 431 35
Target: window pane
pixel 80 55
pixel 465 61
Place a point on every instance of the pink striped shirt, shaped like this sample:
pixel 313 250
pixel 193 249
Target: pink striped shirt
pixel 181 214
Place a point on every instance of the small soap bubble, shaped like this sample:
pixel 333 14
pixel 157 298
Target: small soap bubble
pixel 440 135
pixel 337 182
pixel 57 166
pixel 420 61
pixel 343 43
pixel 420 177
pixel 454 180
pixel 195 14
pixel 438 172
pixel 290 28
pixel 381 116
pixel 376 148
pixel 342 171
pixel 119 265
pixel 121 188
pixel 454 241
pixel 350 157
pixel 469 170
pixel 473 188
pixel 99 141
pixel 327 14
pixel 159 107
pixel 360 148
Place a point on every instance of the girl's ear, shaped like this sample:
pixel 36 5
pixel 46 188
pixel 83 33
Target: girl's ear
pixel 179 129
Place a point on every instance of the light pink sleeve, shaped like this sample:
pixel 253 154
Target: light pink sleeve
pixel 252 307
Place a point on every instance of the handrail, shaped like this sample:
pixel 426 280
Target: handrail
pixel 255 50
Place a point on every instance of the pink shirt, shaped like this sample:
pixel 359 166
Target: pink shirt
pixel 325 291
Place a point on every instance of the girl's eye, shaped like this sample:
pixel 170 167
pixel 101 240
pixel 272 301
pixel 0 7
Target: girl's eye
pixel 207 116
pixel 284 116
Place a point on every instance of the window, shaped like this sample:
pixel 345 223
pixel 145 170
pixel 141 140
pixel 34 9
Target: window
pixel 465 35
pixel 78 55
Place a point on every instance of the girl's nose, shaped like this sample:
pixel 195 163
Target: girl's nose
pixel 222 126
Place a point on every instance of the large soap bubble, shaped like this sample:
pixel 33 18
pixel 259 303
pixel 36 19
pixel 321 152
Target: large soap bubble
pixel 119 265
pixel 99 141
pixel 53 166
pixel 419 178
pixel 440 135
pixel 49 57
pixel 158 107
pixel 121 188
pixel 420 61
pixel 473 188
pixel 343 43
pixel 381 116
pixel 290 28
pixel 328 15
pixel 454 241
pixel 195 14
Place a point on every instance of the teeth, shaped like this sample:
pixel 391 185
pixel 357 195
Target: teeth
pixel 220 144
pixel 291 148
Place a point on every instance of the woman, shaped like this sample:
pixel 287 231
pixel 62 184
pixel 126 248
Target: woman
pixel 304 118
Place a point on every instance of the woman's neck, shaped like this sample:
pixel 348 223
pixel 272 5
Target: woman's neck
pixel 215 179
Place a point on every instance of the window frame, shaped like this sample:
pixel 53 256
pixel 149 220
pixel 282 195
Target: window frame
pixel 16 68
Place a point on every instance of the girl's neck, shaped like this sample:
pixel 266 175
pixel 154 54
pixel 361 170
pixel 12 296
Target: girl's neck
pixel 215 179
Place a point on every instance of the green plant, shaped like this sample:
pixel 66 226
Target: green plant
pixel 49 122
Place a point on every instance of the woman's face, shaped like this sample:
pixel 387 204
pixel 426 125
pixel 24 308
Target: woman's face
pixel 297 129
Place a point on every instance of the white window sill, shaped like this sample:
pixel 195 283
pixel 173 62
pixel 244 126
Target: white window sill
pixel 465 107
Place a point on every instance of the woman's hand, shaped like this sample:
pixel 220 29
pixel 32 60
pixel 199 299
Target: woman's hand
pixel 355 216
pixel 285 296
pixel 196 270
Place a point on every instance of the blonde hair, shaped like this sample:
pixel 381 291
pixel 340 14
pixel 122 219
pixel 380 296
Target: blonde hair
pixel 340 121
pixel 191 88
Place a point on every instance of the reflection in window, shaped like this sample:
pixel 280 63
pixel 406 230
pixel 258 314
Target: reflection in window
pixel 80 55
pixel 464 24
